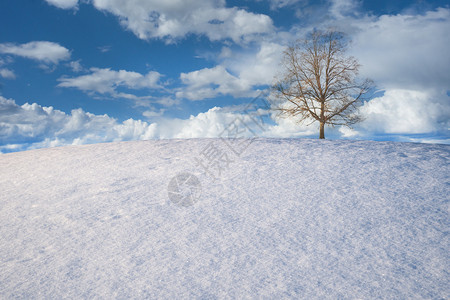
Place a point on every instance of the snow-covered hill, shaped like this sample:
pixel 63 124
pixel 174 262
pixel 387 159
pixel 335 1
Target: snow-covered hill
pixel 215 218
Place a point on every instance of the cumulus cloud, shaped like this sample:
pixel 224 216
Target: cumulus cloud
pixel 407 56
pixel 209 124
pixel 237 75
pixel 405 51
pixel 107 81
pixel 259 67
pixel 7 74
pixel 172 19
pixel 288 128
pixel 229 122
pixel 407 112
pixel 33 126
pixel 43 51
pixel 210 82
pixel 64 4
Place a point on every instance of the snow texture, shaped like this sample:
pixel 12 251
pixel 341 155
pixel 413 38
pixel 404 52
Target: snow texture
pixel 283 218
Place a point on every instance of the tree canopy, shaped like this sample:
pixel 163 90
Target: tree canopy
pixel 320 83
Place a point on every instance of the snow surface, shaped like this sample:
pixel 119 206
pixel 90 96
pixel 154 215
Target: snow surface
pixel 285 218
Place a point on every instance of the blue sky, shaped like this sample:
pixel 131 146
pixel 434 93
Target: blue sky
pixel 78 71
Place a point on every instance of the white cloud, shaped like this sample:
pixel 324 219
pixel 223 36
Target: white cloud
pixel 406 112
pixel 210 82
pixel 340 9
pixel 76 66
pixel 172 19
pixel 407 56
pixel 222 122
pixel 149 102
pixel 107 81
pixel 210 124
pixel 33 126
pixel 225 52
pixel 259 67
pixel 64 4
pixel 46 52
pixel 405 51
pixel 153 113
pixel 7 74
pixel 237 75
pixel 399 112
pixel 288 128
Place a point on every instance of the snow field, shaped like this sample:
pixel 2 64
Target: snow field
pixel 287 218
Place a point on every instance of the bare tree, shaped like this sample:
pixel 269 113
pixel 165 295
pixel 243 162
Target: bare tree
pixel 319 83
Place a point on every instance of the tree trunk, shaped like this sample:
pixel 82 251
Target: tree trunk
pixel 322 130
pixel 322 119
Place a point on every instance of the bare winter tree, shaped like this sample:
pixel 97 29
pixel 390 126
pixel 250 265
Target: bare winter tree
pixel 319 83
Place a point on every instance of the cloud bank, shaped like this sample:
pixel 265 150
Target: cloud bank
pixel 31 126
